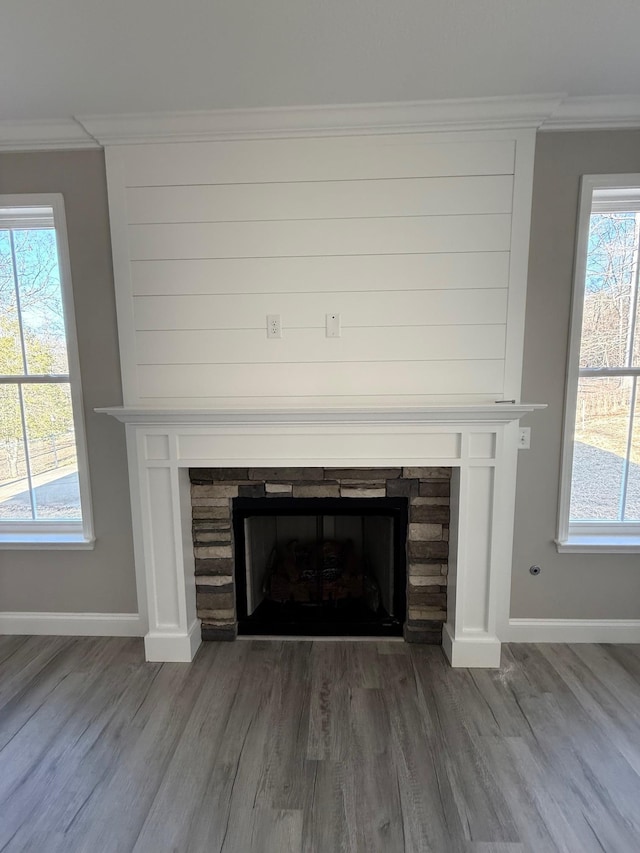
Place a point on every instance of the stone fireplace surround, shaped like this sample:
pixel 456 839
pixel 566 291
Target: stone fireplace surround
pixel 427 545
pixel 478 442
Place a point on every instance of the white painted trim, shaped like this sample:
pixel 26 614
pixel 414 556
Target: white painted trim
pixel 482 651
pixel 44 135
pixel 173 647
pixel 24 540
pixel 73 624
pixel 135 496
pixel 519 263
pixel 331 120
pixel 571 631
pixel 599 112
pixel 603 543
pixel 453 414
pixel 118 220
pixel 544 112
pixel 504 510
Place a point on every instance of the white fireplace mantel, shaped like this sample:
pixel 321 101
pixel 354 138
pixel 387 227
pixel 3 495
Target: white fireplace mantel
pixel 479 442
pixel 502 412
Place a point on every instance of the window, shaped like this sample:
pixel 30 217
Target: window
pixel 600 492
pixel 44 487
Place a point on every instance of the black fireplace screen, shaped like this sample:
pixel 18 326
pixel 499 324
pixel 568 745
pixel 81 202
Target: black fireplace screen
pixel 320 566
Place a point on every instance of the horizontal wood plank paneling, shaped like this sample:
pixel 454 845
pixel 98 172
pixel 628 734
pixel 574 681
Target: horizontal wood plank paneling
pixel 321 200
pixel 406 236
pixel 231 346
pixel 344 158
pixel 385 378
pixel 415 308
pixel 306 275
pixel 295 238
pixel 309 401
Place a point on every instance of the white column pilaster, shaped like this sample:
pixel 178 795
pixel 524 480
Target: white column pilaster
pixel 163 547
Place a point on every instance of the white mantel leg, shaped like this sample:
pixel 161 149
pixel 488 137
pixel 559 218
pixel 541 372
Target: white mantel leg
pixel 161 501
pixel 482 496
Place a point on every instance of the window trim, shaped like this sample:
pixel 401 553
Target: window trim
pixel 585 537
pixel 53 534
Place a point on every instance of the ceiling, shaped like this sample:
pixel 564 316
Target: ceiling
pixel 75 57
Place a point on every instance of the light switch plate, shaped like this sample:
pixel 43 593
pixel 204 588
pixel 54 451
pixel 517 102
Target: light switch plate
pixel 524 438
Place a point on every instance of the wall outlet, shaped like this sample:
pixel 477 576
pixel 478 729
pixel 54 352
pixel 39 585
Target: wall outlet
pixel 524 438
pixel 274 329
pixel 333 325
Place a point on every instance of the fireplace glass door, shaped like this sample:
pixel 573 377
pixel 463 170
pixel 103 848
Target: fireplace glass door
pixel 320 566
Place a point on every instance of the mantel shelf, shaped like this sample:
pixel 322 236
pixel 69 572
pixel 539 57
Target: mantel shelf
pixel 498 413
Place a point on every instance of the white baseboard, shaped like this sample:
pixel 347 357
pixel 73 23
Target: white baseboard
pixel 73 624
pixel 572 631
pixel 474 653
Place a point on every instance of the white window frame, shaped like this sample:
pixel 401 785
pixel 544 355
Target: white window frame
pixel 52 534
pixel 585 537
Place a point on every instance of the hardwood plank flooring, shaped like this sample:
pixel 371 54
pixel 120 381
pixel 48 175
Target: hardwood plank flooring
pixel 317 747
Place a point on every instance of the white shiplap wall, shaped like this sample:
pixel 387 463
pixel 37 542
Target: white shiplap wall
pixel 418 241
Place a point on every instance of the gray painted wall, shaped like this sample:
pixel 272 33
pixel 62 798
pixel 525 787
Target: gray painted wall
pixel 102 580
pixel 571 586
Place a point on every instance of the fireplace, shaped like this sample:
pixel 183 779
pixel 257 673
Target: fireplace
pixel 321 551
pixel 477 443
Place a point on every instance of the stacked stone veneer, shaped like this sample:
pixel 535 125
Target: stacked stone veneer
pixel 427 490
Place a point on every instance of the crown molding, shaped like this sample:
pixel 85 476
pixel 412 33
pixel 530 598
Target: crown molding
pixel 339 120
pixel 44 135
pixel 539 112
pixel 601 112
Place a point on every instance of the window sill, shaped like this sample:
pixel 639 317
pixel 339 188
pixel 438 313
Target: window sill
pixel 599 543
pixel 45 542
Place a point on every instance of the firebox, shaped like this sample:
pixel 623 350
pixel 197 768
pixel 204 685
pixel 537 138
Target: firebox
pixel 320 567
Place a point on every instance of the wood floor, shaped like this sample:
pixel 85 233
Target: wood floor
pixel 323 747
